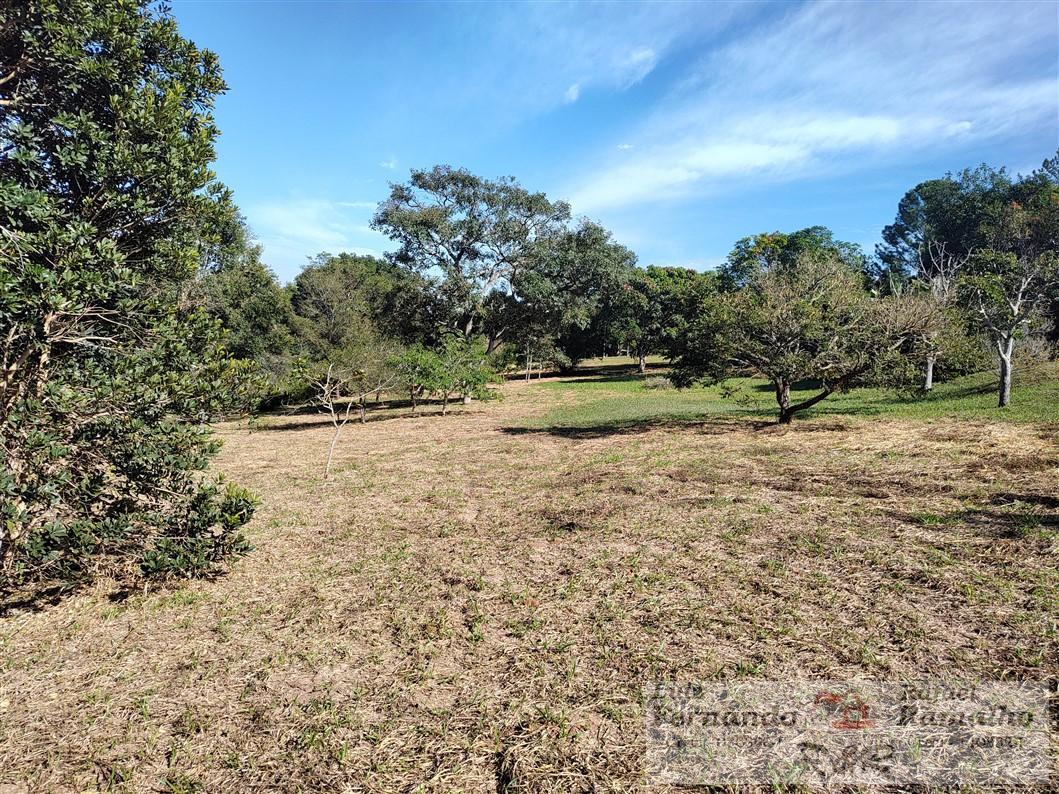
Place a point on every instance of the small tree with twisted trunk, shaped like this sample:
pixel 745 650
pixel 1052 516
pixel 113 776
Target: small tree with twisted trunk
pixel 342 383
pixel 805 320
pixel 337 392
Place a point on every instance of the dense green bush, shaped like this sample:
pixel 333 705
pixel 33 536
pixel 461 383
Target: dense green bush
pixel 110 370
pixel 460 368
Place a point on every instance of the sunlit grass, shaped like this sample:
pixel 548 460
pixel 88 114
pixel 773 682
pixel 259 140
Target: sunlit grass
pixel 466 588
pixel 616 396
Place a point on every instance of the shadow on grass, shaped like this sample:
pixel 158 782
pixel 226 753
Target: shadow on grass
pixel 35 599
pixel 1013 525
pixel 534 376
pixel 629 427
pixel 1046 501
pixel 713 424
pixel 38 597
pixel 377 412
pixel 970 390
pixel 942 393
pixel 616 373
pixel 1019 516
pixel 609 377
pixel 1006 516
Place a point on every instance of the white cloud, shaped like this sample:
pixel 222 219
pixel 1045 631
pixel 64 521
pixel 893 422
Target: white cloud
pixel 389 165
pixel 625 146
pixel 637 66
pixel 830 84
pixel 549 54
pixel 291 231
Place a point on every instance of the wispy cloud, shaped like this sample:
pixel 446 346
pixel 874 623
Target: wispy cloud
pixel 831 83
pixel 389 165
pixel 291 231
pixel 637 65
pixel 556 53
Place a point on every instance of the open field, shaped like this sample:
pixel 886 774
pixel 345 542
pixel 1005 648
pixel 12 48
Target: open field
pixel 475 601
pixel 615 395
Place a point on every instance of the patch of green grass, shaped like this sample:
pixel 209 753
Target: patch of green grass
pixel 614 398
pixel 182 784
pixel 928 519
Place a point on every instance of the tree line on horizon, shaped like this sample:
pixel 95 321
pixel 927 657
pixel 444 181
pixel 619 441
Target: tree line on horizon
pixel 966 270
pixel 135 308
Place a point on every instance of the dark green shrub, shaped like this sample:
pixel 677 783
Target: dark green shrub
pixel 110 370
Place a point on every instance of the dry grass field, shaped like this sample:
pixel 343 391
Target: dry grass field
pixel 474 601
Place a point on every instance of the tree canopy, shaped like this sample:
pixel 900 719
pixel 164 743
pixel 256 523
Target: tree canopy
pixel 241 292
pixel 109 374
pixel 949 211
pixel 806 319
pixel 757 253
pixel 656 306
pixel 475 234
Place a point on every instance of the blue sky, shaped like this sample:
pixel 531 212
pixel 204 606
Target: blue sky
pixel 680 126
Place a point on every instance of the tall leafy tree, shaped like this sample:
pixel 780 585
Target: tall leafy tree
pixel 946 213
pixel 561 301
pixel 336 297
pixel 935 245
pixel 1049 171
pixel 655 307
pixel 474 234
pixel 760 252
pixel 986 240
pixel 242 293
pixel 107 374
pixel 335 293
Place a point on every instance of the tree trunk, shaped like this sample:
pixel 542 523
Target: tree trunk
pixel 363 410
pixel 928 376
pixel 643 364
pixel 783 399
pixel 787 411
pixel 1005 349
pixel 445 403
pixel 493 342
pixel 412 396
pixel 331 452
